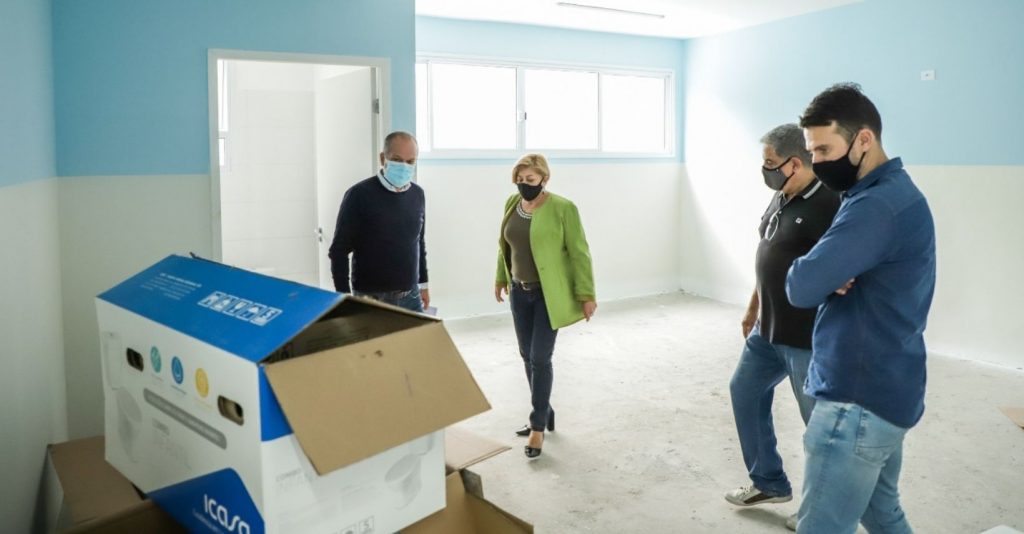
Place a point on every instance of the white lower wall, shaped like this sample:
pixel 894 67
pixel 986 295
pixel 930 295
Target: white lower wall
pixel 979 228
pixel 628 211
pixel 719 217
pixel 32 393
pixel 111 228
pixel 980 248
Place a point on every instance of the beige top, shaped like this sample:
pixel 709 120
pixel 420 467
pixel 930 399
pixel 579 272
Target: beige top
pixel 517 235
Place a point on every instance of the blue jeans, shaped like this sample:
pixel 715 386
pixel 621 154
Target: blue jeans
pixel 410 300
pixel 536 345
pixel 853 470
pixel 763 366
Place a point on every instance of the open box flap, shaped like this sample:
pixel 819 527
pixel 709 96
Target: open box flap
pixel 349 403
pixel 391 308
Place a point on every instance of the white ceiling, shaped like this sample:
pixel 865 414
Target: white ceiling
pixel 682 18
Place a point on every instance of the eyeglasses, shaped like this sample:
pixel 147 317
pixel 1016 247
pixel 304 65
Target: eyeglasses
pixel 773 225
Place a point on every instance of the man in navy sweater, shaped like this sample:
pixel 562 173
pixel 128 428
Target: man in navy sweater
pixel 381 224
pixel 871 276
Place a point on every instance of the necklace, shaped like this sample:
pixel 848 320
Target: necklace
pixel 522 213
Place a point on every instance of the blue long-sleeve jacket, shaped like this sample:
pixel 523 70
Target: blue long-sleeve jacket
pixel 868 344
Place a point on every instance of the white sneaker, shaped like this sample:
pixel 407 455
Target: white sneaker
pixel 791 522
pixel 751 496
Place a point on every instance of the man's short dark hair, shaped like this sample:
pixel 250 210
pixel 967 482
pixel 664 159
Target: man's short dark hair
pixel 390 140
pixel 845 104
pixel 788 142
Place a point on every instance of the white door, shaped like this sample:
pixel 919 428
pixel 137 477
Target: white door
pixel 346 149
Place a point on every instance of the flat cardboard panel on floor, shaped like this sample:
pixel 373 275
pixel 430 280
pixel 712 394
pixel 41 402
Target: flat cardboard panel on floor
pixel 463 449
pixel 92 497
pixel 244 403
pixel 1015 414
pixel 1002 529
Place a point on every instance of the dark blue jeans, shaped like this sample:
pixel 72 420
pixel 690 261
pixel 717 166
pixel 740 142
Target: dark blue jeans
pixel 410 300
pixel 536 345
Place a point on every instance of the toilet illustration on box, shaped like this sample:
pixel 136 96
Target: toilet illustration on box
pixel 129 414
pixel 405 478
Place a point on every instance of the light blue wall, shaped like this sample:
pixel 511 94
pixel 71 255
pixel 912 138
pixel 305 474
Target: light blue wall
pixel 26 92
pixel 131 84
pixel 538 43
pixel 971 114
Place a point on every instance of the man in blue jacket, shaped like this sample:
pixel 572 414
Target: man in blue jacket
pixel 871 276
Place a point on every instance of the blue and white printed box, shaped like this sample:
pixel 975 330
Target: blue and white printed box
pixel 246 404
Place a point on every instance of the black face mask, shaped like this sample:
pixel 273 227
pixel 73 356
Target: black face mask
pixel 774 178
pixel 840 174
pixel 530 192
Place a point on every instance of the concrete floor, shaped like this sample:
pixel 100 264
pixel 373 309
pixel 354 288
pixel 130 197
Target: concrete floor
pixel 646 442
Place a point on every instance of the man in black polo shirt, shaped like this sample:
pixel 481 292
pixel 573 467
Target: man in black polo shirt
pixel 381 224
pixel 778 336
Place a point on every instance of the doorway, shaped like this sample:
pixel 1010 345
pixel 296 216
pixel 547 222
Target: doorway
pixel 290 134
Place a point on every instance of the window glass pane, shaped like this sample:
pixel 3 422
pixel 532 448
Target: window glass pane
pixel 633 113
pixel 561 109
pixel 422 107
pixel 474 107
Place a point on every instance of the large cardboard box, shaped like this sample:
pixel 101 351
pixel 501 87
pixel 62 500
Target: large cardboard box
pixel 84 494
pixel 468 512
pixel 242 403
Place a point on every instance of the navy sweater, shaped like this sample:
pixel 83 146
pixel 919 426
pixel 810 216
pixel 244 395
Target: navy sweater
pixel 383 231
pixel 868 345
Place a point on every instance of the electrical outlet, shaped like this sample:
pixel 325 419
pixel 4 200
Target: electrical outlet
pixel 928 75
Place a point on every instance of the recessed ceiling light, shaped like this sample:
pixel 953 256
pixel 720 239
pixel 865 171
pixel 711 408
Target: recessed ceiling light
pixel 611 10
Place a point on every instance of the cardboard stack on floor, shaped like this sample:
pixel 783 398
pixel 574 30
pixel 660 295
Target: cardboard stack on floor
pixel 83 494
pixel 244 403
pixel 467 511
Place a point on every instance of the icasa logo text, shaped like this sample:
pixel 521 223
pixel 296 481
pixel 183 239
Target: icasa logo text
pixel 221 514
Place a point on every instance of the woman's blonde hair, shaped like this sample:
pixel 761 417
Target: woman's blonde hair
pixel 534 162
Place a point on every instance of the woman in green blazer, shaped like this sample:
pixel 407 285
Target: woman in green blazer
pixel 544 266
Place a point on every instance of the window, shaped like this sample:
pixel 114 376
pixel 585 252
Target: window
pixel 422 105
pixel 473 107
pixel 634 113
pixel 561 109
pixel 477 108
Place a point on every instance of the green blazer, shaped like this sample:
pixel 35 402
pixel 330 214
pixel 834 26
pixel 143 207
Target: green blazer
pixel 562 256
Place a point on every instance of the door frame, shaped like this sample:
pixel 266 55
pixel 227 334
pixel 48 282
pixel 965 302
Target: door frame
pixel 381 77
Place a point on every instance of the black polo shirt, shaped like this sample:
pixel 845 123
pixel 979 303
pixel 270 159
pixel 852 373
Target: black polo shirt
pixel 789 229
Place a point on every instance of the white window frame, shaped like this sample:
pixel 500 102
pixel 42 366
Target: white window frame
pixel 223 115
pixel 520 65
